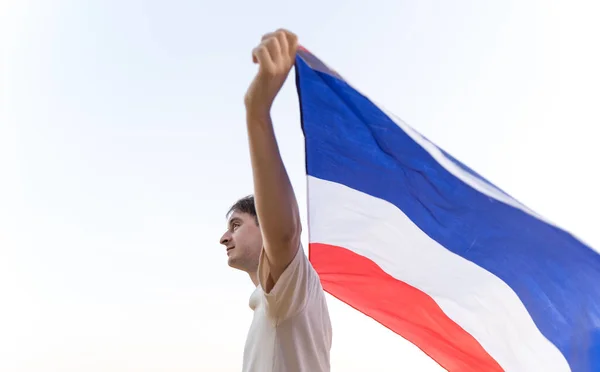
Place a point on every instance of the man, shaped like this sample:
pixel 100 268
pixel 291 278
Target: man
pixel 291 329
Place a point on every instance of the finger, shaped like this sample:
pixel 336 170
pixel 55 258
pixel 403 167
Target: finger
pixel 292 41
pixel 282 38
pixel 272 45
pixel 263 58
pixel 263 38
pixel 293 45
pixel 267 35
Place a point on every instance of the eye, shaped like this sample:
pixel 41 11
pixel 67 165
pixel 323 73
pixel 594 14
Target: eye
pixel 235 225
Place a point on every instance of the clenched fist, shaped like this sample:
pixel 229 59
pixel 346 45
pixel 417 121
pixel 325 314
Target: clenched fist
pixel 275 56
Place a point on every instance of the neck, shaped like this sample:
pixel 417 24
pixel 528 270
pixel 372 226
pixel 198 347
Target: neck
pixel 254 277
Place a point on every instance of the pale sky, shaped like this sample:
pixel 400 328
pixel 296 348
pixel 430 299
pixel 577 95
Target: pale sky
pixel 123 143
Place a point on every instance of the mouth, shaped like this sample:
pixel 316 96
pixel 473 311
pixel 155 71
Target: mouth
pixel 229 249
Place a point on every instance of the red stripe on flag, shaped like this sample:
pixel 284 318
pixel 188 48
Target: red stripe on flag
pixel 359 282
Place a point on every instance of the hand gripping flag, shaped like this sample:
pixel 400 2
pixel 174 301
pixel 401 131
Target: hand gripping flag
pixel 406 234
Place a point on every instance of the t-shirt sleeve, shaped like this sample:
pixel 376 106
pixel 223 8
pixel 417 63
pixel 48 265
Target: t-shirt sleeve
pixel 295 287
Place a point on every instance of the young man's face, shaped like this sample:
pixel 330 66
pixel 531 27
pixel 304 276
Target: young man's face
pixel 242 241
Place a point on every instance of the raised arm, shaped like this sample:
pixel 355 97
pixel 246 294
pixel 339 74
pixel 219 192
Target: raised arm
pixel 276 204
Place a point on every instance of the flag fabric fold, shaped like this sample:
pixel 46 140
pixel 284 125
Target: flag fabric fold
pixel 409 236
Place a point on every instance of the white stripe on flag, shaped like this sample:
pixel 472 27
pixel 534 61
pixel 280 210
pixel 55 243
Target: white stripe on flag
pixel 478 301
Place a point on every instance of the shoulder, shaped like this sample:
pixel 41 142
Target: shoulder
pixel 298 286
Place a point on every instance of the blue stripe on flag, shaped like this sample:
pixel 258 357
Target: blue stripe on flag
pixel 351 141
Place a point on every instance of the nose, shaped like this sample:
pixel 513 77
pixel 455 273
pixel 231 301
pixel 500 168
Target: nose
pixel 225 239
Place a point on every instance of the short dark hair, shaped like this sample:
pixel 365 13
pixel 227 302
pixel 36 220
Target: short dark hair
pixel 244 205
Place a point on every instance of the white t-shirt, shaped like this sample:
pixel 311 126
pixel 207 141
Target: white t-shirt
pixel 291 329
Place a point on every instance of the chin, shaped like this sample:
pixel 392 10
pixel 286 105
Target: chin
pixel 232 262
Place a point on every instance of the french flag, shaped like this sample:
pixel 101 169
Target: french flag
pixel 409 236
